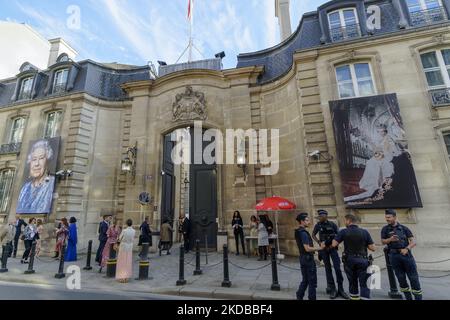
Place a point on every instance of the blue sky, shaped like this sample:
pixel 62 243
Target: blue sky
pixel 138 31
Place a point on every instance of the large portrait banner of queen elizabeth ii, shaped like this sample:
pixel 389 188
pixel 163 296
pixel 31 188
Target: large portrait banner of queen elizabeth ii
pixel 375 163
pixel 36 195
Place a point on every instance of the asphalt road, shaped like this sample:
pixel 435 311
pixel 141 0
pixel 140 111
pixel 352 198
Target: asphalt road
pixel 9 291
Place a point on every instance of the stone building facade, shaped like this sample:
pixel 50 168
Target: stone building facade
pixel 108 109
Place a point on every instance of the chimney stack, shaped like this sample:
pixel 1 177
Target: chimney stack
pixel 57 47
pixel 282 12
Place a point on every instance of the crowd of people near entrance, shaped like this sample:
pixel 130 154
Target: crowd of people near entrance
pixel 117 242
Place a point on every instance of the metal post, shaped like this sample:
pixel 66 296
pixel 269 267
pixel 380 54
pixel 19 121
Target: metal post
pixel 5 253
pixel 275 285
pixel 88 258
pixel 61 273
pixel 393 292
pixel 198 270
pixel 226 274
pixel 181 281
pixel 111 263
pixel 144 263
pixel 206 247
pixel 31 264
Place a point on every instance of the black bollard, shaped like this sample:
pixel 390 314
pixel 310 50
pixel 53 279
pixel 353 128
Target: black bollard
pixel 144 263
pixel 181 281
pixel 61 273
pixel 198 270
pixel 88 258
pixel 5 253
pixel 111 264
pixel 226 274
pixel 393 292
pixel 31 264
pixel 275 285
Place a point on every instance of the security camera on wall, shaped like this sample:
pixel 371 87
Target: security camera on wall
pixel 315 155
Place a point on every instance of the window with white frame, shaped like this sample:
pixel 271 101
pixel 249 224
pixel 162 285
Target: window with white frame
pixel 60 80
pixel 26 85
pixel 17 129
pixel 447 142
pixel 343 24
pixel 355 80
pixel 52 124
pixel 436 65
pixel 425 11
pixel 6 179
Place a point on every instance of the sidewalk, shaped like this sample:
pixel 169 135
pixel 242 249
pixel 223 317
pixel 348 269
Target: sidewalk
pixel 250 279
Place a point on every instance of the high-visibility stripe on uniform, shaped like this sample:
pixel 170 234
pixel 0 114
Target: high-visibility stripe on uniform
pixel 352 297
pixel 417 292
pixel 405 289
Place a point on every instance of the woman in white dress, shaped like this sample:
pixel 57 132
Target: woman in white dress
pixel 124 269
pixel 263 238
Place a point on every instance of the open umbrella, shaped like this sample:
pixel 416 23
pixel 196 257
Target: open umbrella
pixel 276 204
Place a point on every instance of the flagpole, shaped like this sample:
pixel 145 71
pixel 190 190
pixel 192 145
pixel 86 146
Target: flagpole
pixel 191 20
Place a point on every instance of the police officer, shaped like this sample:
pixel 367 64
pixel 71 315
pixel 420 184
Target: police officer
pixel 308 265
pixel 400 240
pixel 356 261
pixel 327 231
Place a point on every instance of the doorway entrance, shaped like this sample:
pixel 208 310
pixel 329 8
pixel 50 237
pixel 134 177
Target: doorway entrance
pixel 196 190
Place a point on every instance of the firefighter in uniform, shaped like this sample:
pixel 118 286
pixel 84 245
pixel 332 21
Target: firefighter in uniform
pixel 308 265
pixel 327 230
pixel 355 257
pixel 400 240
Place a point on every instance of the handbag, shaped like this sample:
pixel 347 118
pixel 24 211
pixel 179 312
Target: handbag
pixel 22 237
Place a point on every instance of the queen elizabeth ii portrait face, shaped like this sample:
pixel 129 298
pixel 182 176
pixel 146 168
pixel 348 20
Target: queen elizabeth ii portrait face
pixel 36 194
pixel 38 164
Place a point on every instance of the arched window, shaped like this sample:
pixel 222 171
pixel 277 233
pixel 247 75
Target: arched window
pixel 344 24
pixel 446 136
pixel 26 86
pixel 17 129
pixel 6 178
pixel 60 81
pixel 52 124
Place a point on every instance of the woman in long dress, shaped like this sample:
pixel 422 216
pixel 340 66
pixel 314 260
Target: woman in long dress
pixel 124 269
pixel 71 254
pixel 61 236
pixel 113 234
pixel 253 234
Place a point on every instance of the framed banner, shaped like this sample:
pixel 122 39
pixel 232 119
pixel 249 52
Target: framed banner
pixel 375 164
pixel 36 195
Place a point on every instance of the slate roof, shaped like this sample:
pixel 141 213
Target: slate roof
pixel 278 60
pixel 98 80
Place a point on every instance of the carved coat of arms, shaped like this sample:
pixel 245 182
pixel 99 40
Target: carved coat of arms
pixel 190 105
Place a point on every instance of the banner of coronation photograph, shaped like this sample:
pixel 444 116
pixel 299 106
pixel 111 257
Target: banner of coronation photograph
pixel 375 163
pixel 36 195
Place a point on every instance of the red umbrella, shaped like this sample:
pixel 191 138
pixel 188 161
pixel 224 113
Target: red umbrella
pixel 276 204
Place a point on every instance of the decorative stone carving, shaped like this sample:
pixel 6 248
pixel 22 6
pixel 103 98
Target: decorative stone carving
pixel 190 105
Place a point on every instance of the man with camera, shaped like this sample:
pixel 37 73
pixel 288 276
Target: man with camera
pixel 327 231
pixel 400 240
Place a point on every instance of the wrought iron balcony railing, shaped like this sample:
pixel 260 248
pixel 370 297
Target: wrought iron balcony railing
pixel 427 17
pixel 10 148
pixel 24 95
pixel 345 33
pixel 59 88
pixel 440 97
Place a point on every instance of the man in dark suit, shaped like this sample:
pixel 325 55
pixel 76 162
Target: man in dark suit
pixel 19 224
pixel 186 229
pixel 102 237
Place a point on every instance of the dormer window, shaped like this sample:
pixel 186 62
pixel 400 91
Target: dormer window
pixel 344 24
pixel 425 12
pixel 60 81
pixel 26 86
